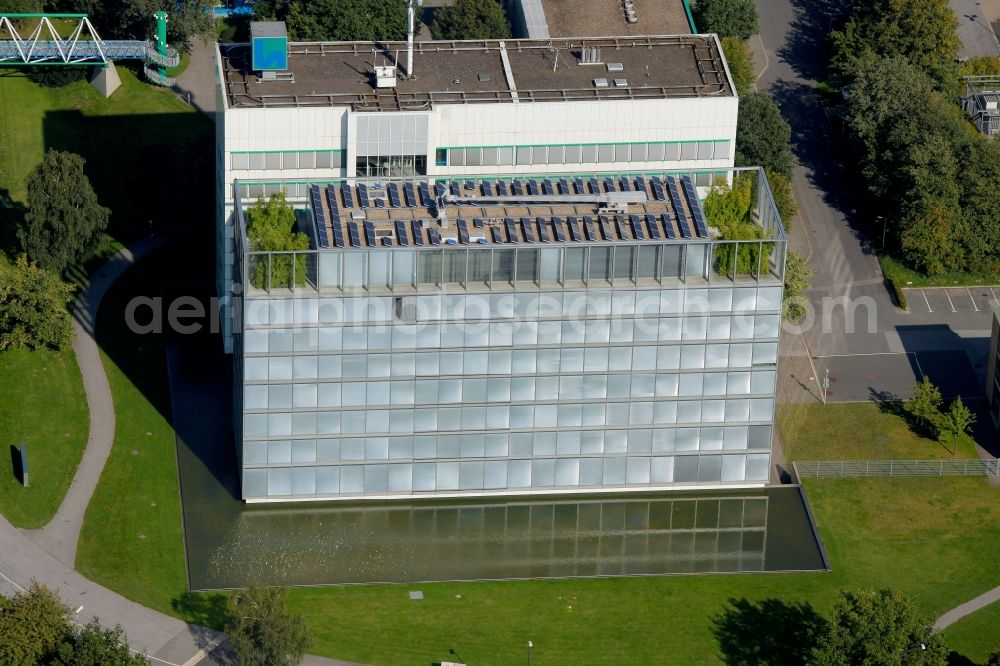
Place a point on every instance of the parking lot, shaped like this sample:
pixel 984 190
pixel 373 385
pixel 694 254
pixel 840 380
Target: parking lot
pixel 947 300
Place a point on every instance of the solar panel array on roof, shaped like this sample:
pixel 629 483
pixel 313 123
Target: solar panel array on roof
pixel 588 227
pixel 578 184
pixel 370 234
pixel 345 191
pixel 564 186
pixel 425 195
pixel 440 189
pixel 456 189
pixel 533 187
pixel 636 223
pixel 557 229
pixel 626 186
pixel 394 196
pixel 547 187
pixel 517 187
pixel 526 230
pixel 463 232
pixel 694 204
pixel 574 230
pixel 658 189
pixel 595 188
pixel 675 199
pixel 508 223
pixel 363 195
pixel 401 234
pixel 609 184
pixel 668 227
pixel 652 226
pixel 605 229
pixel 487 189
pixel 502 188
pixel 495 232
pixel 319 217
pixel 410 195
pixel 435 237
pixel 418 237
pixel 543 233
pixel 620 228
pixel 352 233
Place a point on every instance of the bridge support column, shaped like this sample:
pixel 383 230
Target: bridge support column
pixel 105 79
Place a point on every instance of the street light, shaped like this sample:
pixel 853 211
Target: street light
pixel 826 384
pixel 881 217
pixel 530 645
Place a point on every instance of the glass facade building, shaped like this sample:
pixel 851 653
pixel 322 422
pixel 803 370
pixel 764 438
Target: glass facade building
pixel 500 368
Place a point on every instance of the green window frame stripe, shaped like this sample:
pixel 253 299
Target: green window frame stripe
pixel 617 143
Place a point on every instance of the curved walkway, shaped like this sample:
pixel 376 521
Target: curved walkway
pixel 969 607
pixel 47 555
pixel 59 538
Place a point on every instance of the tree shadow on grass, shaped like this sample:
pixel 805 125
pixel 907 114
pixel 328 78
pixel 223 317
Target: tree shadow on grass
pixel 11 218
pixel 769 632
pixel 207 609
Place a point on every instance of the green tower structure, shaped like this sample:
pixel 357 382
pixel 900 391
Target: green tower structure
pixel 161 39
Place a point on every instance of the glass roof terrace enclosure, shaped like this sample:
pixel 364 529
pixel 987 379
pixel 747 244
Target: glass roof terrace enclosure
pixel 486 234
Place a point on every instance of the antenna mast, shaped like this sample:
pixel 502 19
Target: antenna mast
pixel 411 10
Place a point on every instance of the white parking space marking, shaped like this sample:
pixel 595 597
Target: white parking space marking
pixel 950 302
pixel 926 302
pixel 974 306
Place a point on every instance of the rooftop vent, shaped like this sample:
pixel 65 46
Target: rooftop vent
pixel 385 76
pixel 484 77
pixel 600 83
pixel 616 67
pixel 621 83
pixel 590 55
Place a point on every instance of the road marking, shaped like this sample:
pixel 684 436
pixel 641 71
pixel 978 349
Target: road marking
pixel 917 361
pixel 949 300
pixel 19 588
pixel 972 299
pixel 926 302
pixel 202 653
pixel 767 61
pixel 995 301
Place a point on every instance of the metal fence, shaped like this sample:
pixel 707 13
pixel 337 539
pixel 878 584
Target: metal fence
pixel 867 468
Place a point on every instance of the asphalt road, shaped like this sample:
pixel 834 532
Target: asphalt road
pixel 854 330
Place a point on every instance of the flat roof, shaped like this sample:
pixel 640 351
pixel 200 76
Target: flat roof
pixel 464 72
pixel 594 18
pixel 486 212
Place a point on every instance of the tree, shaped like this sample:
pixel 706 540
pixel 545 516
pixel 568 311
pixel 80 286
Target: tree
pixel 957 420
pixel 731 210
pixel 925 405
pixel 262 631
pixel 64 221
pixel 33 310
pixel 880 628
pixel 797 274
pixel 133 19
pixel 270 227
pixel 471 19
pixel 925 31
pixel 740 61
pixel 20 6
pixel 994 658
pixel 762 135
pixel 94 645
pixel 980 66
pixel 32 624
pixel 338 20
pixel 784 200
pixel 728 18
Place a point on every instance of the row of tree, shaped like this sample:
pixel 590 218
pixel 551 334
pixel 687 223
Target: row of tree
pixel 925 411
pixel 871 627
pixel 37 629
pixel 926 171
pixel 62 227
pixel 382 20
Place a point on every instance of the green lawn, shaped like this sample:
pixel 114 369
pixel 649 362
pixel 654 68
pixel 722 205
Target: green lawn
pixel 976 635
pixel 926 537
pixel 143 145
pixel 131 539
pixel 858 431
pixel 41 404
pixel 908 278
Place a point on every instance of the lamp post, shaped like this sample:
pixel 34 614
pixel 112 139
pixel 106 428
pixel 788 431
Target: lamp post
pixel 882 217
pixel 530 645
pixel 826 384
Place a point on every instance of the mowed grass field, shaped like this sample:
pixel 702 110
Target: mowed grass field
pixel 41 404
pixel 859 431
pixel 134 144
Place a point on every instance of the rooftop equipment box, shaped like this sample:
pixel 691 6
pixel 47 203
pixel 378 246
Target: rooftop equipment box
pixel 270 45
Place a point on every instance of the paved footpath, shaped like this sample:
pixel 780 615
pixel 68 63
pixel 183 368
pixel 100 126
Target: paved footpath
pixel 47 555
pixel 957 613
